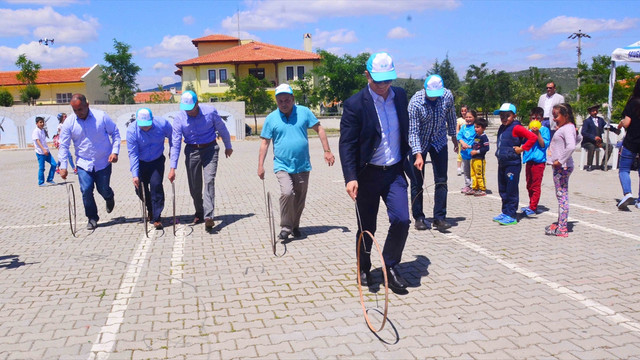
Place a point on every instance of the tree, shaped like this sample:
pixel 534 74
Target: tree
pixel 486 89
pixel 6 99
pixel 340 77
pixel 526 90
pixel 253 92
pixel 448 74
pixel 304 91
pixel 594 85
pixel 410 85
pixel 120 74
pixel 28 75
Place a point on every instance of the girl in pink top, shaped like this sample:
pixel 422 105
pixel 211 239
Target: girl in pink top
pixel 563 143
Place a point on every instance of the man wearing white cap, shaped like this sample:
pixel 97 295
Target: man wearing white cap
pixel 145 143
pixel 432 116
pixel 287 127
pixel 198 125
pixel 373 148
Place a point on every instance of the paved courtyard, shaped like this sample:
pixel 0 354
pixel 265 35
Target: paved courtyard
pixel 480 291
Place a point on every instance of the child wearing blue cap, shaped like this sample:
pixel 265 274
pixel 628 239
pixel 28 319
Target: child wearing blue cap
pixel 513 139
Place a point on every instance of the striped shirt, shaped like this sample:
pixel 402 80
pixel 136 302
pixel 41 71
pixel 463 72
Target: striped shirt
pixel 429 125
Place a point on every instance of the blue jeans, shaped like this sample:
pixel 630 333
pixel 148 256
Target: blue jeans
pixel 87 180
pixel 508 180
pixel 439 165
pixel 626 160
pixel 391 186
pixel 52 170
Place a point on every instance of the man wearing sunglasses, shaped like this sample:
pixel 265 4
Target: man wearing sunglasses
pixel 373 147
pixel 547 101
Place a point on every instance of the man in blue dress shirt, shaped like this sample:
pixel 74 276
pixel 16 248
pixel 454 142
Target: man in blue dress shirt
pixel 97 142
pixel 198 125
pixel 145 143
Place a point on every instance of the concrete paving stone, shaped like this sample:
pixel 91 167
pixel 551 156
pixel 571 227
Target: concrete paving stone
pixel 430 352
pixel 45 344
pixel 300 344
pixel 239 353
pixel 148 354
pixel 187 351
pixel 468 336
pixel 32 354
pixel 304 354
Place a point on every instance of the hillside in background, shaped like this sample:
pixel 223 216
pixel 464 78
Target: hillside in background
pixel 564 78
pixel 177 85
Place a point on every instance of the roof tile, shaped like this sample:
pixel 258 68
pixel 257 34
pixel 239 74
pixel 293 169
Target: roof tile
pixel 251 52
pixel 46 76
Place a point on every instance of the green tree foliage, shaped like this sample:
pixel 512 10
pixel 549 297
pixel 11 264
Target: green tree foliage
pixel 594 85
pixel 340 77
pixel 120 74
pixel 410 85
pixel 448 74
pixel 253 92
pixel 486 89
pixel 28 75
pixel 304 91
pixel 526 90
pixel 6 99
pixel 29 94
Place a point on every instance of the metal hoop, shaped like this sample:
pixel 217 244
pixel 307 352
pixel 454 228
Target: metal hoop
pixel 386 282
pixel 143 209
pixel 71 201
pixel 272 224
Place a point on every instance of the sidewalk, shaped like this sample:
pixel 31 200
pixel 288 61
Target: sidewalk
pixel 481 291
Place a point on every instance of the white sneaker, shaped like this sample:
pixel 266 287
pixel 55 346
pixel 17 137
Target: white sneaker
pixel 459 171
pixel 625 202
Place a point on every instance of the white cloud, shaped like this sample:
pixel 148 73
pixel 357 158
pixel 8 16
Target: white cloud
pixel 166 80
pixel 567 44
pixel 48 57
pixel 47 23
pixel 188 20
pixel 279 14
pixel 399 33
pixel 568 25
pixel 535 57
pixel 161 66
pixel 174 47
pixel 341 36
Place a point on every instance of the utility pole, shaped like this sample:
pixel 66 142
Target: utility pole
pixel 579 35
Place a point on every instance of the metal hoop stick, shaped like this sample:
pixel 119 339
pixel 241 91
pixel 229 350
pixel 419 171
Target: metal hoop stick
pixel 272 224
pixel 143 207
pixel 173 193
pixel 386 283
pixel 71 201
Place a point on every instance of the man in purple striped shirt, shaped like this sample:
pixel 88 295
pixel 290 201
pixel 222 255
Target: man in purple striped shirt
pixel 198 125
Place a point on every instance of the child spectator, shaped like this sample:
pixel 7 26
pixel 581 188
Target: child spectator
pixel 459 122
pixel 465 139
pixel 535 160
pixel 511 136
pixel 61 118
pixel 39 138
pixel 563 143
pixel 478 163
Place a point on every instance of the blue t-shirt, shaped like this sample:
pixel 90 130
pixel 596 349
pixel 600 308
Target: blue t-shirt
pixel 538 154
pixel 467 134
pixel 290 142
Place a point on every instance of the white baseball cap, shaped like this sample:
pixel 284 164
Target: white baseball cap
pixel 188 100
pixel 380 67
pixel 434 86
pixel 144 117
pixel 284 89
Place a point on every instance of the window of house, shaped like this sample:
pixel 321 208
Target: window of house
pixel 63 98
pixel 212 76
pixel 300 72
pixel 223 75
pixel 258 73
pixel 289 72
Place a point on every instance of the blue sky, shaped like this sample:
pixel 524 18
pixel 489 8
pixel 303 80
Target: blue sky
pixel 508 35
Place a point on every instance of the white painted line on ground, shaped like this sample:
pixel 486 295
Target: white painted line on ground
pixel 31 226
pixel 608 313
pixel 177 265
pixel 590 209
pixel 106 339
pixel 583 222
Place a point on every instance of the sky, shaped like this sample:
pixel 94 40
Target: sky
pixel 507 35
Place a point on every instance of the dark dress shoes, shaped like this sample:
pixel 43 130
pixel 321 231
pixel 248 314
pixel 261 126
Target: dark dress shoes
pixel 422 224
pixel 441 224
pixel 296 233
pixel 110 204
pixel 284 235
pixel 397 283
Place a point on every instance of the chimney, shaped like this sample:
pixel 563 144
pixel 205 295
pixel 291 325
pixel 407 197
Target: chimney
pixel 307 43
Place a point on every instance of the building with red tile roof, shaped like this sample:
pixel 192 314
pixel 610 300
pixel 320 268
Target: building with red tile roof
pixel 57 85
pixel 165 96
pixel 220 57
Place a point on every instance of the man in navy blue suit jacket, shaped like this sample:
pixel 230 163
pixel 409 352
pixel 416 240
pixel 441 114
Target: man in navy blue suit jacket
pixel 373 148
pixel 593 128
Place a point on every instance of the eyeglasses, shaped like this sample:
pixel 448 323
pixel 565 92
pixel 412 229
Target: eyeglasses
pixel 550 87
pixel 383 82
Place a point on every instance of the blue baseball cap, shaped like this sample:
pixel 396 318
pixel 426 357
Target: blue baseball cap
pixel 506 107
pixel 144 117
pixel 188 100
pixel 380 67
pixel 434 86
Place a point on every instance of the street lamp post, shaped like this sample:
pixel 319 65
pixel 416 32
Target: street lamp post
pixel 579 35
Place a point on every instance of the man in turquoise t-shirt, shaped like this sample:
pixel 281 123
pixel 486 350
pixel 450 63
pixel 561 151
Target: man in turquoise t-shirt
pixel 287 127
